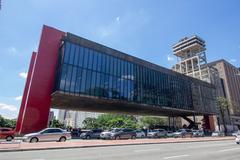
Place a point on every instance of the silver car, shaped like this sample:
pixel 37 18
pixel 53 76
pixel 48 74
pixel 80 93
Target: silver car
pixel 48 134
pixel 107 134
pixel 157 133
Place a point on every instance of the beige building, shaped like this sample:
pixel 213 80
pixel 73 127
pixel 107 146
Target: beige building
pixel 75 118
pixel 230 79
pixel 192 61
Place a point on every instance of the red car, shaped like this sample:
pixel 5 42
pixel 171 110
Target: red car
pixel 7 133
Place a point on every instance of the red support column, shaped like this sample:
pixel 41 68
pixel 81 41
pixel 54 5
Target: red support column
pixel 26 89
pixel 35 106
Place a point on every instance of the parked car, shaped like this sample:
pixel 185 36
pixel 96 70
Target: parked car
pixel 235 133
pixel 140 134
pixel 7 134
pixel 76 132
pixel 123 134
pixel 237 139
pixel 170 134
pixel 183 133
pixel 48 134
pixel 217 134
pixel 107 134
pixel 157 133
pixel 198 133
pixel 92 134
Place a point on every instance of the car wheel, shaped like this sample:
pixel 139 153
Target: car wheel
pixel 142 136
pixel 117 138
pixel 133 137
pixel 237 142
pixel 9 138
pixel 87 137
pixel 62 139
pixel 34 140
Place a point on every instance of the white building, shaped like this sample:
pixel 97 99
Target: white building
pixel 75 118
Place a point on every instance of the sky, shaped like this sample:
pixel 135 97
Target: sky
pixel 143 28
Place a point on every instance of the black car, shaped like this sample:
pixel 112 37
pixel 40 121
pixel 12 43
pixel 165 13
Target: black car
pixel 92 134
pixel 123 134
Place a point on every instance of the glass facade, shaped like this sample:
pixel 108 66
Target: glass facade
pixel 90 72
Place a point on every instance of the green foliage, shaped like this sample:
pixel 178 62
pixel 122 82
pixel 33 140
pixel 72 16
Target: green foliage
pixel 90 123
pixel 11 123
pixel 223 103
pixel 152 122
pixel 224 106
pixel 56 124
pixel 107 121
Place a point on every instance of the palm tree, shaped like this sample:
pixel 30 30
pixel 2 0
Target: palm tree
pixel 224 106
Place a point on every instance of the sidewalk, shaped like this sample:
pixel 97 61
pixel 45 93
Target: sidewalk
pixel 23 146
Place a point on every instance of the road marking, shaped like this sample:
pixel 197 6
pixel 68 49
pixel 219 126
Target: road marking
pixel 146 150
pixel 229 149
pixel 178 156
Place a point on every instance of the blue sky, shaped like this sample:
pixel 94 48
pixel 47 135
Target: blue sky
pixel 143 28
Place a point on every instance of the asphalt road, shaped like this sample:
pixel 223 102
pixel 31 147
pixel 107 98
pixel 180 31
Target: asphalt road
pixel 220 150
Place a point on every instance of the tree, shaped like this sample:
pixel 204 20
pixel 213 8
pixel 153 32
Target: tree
pixel 108 121
pixel 90 123
pixel 152 122
pixel 56 124
pixel 223 105
pixel 4 122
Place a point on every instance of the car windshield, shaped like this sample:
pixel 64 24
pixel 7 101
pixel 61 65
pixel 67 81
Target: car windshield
pixel 154 130
pixel 115 130
pixel 181 130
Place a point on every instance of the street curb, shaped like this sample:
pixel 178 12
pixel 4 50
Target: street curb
pixel 108 145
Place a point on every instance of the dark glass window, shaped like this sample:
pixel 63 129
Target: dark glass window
pixel 76 58
pixel 90 59
pixel 107 64
pixel 99 62
pixel 98 85
pixel 91 72
pixel 81 56
pixel 88 82
pixel 73 80
pixel 86 55
pixel 78 80
pixel 63 77
pixel 68 78
pixel 72 53
pixel 66 52
pixel 93 83
pixel 83 82
pixel 103 70
pixel 95 60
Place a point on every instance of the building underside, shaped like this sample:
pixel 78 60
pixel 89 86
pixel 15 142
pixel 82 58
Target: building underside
pixel 94 104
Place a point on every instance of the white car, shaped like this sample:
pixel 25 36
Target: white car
pixel 235 133
pixel 237 139
pixel 48 134
pixel 140 134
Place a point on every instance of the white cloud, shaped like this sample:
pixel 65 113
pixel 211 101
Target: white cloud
pixel 12 51
pixel 129 23
pixel 117 19
pixel 170 59
pixel 23 74
pixel 4 106
pixel 18 98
